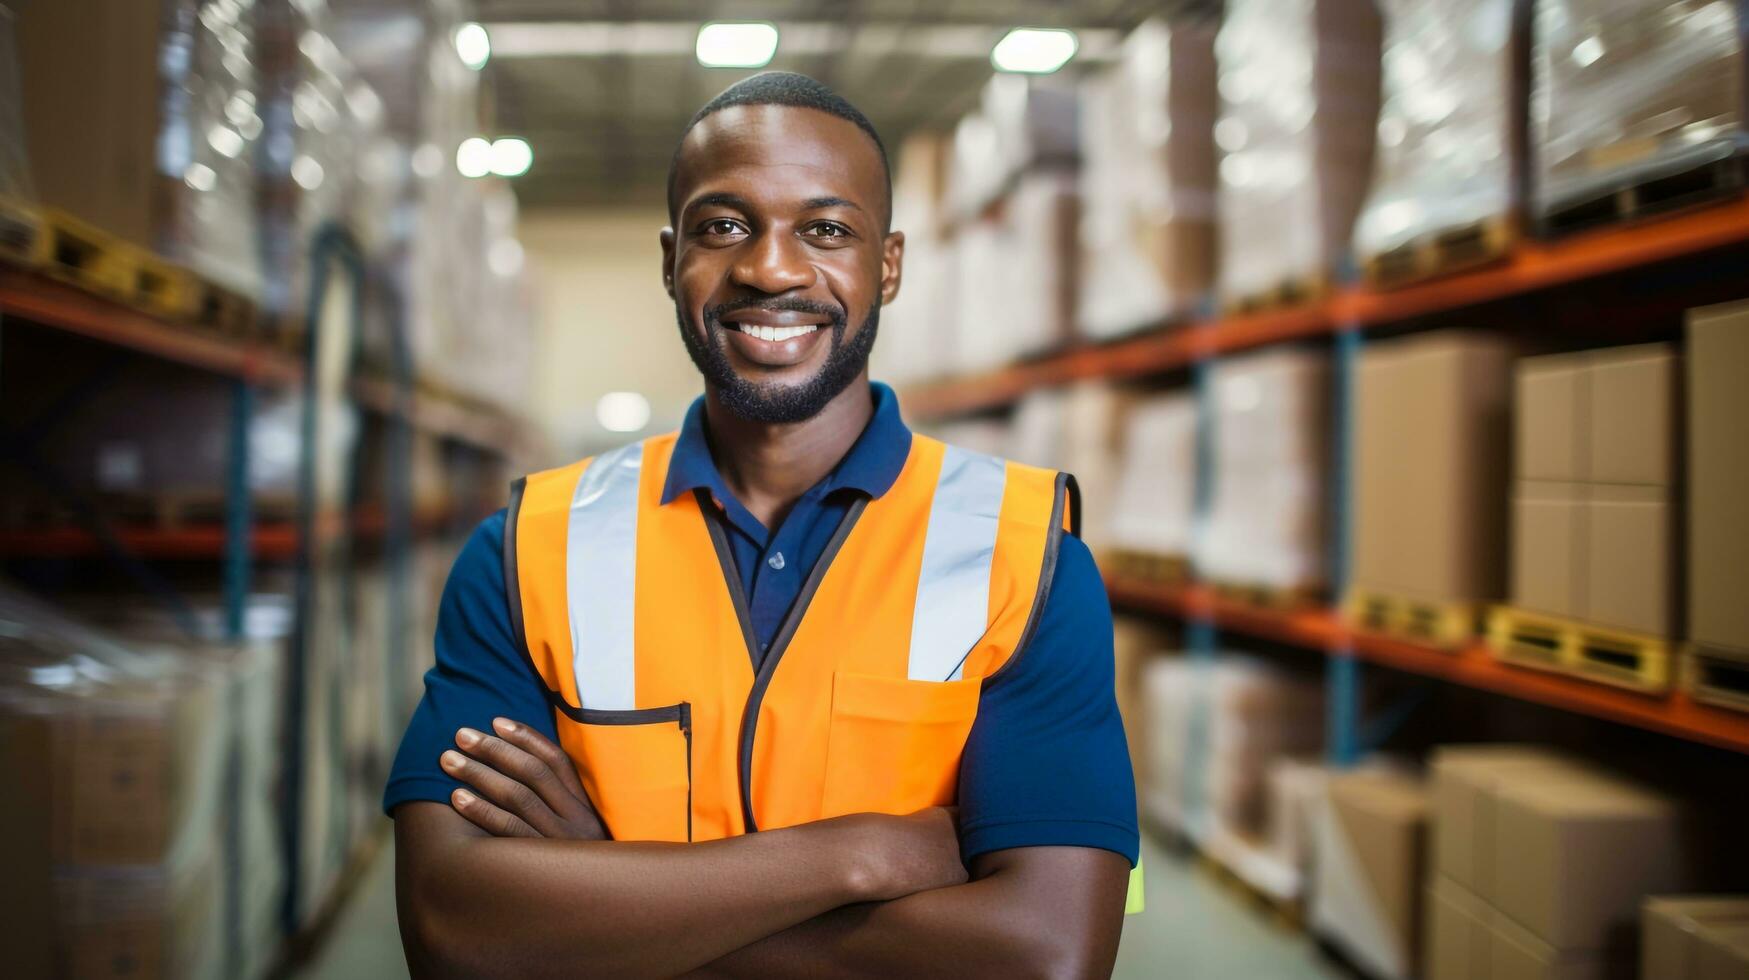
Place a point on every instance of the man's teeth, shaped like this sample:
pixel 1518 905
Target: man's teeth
pixel 777 333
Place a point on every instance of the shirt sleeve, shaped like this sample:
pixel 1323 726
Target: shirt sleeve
pixel 480 673
pixel 1046 762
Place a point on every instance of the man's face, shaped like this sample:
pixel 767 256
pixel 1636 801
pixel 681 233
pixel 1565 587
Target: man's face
pixel 778 260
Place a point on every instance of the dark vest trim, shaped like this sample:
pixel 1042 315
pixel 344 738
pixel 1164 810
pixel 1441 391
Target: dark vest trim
pixel 1068 494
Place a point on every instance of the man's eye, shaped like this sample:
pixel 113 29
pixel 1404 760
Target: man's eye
pixel 720 226
pixel 830 231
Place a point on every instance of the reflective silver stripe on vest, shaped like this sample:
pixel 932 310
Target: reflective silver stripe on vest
pixel 953 588
pixel 601 556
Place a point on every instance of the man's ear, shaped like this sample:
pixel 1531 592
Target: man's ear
pixel 668 261
pixel 892 266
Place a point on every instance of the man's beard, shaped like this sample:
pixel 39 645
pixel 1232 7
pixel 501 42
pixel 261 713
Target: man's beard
pixel 772 403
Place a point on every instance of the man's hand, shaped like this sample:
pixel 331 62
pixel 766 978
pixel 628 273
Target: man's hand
pixel 525 786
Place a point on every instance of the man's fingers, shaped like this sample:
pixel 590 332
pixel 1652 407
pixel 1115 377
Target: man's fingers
pixel 537 745
pixel 519 765
pixel 501 790
pixel 487 817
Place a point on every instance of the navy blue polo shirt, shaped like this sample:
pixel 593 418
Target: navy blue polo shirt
pixel 1045 764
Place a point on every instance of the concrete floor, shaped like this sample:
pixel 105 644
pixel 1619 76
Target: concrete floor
pixel 1192 930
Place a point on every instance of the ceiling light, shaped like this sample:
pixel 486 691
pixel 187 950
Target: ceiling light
pixel 511 157
pixel 623 411
pixel 473 45
pixel 474 157
pixel 736 45
pixel 307 172
pixel 1033 51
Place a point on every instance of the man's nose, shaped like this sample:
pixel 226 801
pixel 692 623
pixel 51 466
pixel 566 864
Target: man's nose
pixel 773 263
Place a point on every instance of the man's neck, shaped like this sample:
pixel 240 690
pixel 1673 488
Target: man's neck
pixel 769 466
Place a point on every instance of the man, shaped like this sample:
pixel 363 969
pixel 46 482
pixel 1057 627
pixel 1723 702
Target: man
pixel 707 703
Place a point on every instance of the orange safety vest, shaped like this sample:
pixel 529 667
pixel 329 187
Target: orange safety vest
pixel 633 615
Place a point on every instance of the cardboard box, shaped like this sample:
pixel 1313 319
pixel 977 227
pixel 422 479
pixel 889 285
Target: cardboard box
pixel 1549 541
pixel 1723 953
pixel 1628 581
pixel 1463 783
pixel 1550 417
pixel 1631 415
pixel 1673 928
pixel 1718 475
pixel 1575 853
pixel 1514 953
pixel 1367 885
pixel 1430 467
pixel 1456 936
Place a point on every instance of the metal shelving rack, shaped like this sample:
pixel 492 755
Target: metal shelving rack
pixel 238 541
pixel 1631 272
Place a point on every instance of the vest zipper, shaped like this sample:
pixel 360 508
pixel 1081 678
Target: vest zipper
pixel 767 665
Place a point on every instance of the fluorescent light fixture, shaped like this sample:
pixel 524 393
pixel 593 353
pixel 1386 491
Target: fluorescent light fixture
pixel 511 157
pixel 473 45
pixel 1034 51
pixel 750 45
pixel 623 411
pixel 474 157
pixel 307 172
pixel 670 39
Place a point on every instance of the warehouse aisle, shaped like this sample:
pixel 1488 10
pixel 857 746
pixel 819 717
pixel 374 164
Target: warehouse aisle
pixel 1191 930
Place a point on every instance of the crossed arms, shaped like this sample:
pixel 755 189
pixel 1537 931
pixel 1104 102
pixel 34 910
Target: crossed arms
pixel 517 878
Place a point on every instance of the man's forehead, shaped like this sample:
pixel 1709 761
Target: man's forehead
pixel 817 152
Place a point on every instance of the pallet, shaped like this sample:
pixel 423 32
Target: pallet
pixel 1284 913
pixel 1275 597
pixel 1442 252
pixel 1716 676
pixel 1297 291
pixel 1142 566
pixel 1449 625
pixel 1636 661
pixel 22 241
pixel 224 311
pixel 1646 193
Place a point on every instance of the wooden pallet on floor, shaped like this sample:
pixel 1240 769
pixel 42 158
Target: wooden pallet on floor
pixel 1648 192
pixel 1716 676
pixel 1622 658
pixel 1448 625
pixel 22 240
pixel 1143 566
pixel 1296 291
pixel 1438 253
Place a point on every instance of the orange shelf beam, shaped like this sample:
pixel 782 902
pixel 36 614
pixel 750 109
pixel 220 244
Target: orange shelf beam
pixel 1531 266
pixel 29 296
pixel 1323 630
pixel 270 540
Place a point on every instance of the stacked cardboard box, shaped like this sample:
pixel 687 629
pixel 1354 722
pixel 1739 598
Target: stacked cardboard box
pixel 1593 507
pixel 1695 937
pixel 1451 121
pixel 1147 180
pixel 1718 496
pixel 1540 864
pixel 1369 841
pixel 1626 93
pixel 1299 84
pixel 143 120
pixel 1169 693
pixel 1430 467
pixel 1266 525
pixel 1155 497
pixel 1022 123
pixel 917 327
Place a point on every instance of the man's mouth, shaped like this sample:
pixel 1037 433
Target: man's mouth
pixel 771 332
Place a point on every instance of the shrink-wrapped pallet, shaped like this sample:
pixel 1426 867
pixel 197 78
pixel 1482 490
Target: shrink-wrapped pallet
pixel 917 328
pixel 143 118
pixel 1154 499
pixel 1258 714
pixel 1451 122
pixel 1148 181
pixel 1299 83
pixel 1022 123
pixel 1266 524
pixel 1626 93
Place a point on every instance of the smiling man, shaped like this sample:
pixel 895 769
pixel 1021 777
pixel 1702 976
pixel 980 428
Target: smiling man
pixel 792 691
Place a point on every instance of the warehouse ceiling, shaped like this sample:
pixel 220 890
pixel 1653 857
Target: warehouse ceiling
pixel 602 88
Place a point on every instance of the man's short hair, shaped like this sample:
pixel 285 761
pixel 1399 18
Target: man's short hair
pixel 783 88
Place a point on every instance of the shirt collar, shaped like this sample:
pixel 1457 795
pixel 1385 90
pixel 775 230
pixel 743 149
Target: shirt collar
pixel 871 466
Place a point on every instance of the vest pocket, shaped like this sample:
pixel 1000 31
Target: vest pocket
pixel 636 767
pixel 895 744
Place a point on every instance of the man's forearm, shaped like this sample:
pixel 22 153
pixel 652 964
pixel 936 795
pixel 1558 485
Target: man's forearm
pixel 1033 912
pixel 482 906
